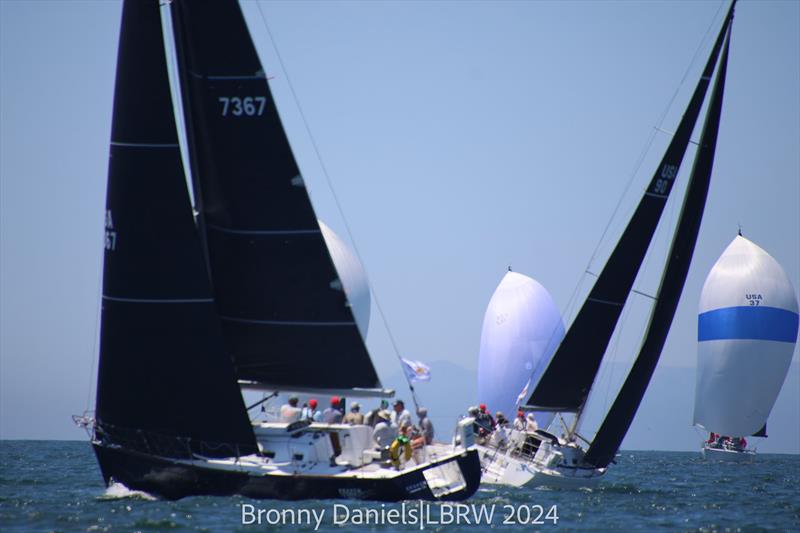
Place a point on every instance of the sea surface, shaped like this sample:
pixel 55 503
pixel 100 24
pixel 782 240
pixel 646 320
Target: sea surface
pixel 56 486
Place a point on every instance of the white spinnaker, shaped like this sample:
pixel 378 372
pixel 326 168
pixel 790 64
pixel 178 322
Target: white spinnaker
pixel 747 329
pixel 522 328
pixel 352 275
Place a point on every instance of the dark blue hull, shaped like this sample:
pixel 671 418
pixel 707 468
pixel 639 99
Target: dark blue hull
pixel 173 480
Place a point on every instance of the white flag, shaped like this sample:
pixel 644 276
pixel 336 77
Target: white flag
pixel 416 370
pixel 523 393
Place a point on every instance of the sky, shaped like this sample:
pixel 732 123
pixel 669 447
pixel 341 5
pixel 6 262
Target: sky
pixel 459 138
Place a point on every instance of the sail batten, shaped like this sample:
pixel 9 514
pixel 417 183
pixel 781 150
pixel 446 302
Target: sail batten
pixel 620 416
pixel 272 273
pixel 572 371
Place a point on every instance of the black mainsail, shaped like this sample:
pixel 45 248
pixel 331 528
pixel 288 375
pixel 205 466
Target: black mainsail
pixel 286 319
pixel 619 418
pixel 164 383
pixel 170 419
pixel 565 384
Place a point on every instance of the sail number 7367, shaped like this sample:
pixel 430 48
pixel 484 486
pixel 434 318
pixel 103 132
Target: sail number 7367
pixel 250 106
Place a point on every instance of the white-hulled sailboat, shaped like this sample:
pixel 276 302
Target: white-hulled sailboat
pixel 746 332
pixel 237 289
pixel 565 385
pixel 521 330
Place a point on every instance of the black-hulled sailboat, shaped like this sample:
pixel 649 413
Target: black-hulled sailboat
pixel 541 458
pixel 235 288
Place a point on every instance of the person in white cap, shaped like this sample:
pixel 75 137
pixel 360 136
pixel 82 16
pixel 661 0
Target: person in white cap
pixel 384 433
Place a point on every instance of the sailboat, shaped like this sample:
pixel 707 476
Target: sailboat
pixel 565 385
pixel 747 329
pixel 231 287
pixel 521 330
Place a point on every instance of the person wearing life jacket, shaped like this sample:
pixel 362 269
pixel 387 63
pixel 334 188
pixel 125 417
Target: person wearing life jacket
pixel 400 451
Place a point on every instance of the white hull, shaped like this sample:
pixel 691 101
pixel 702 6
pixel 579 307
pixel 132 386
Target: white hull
pixel 726 454
pixel 551 465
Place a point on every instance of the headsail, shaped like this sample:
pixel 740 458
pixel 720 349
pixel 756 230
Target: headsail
pixel 353 277
pixel 286 319
pixel 619 418
pixel 566 383
pixel 521 329
pixel 164 380
pixel 747 329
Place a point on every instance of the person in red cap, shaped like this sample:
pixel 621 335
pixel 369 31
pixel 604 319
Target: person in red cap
pixel 310 411
pixel 332 415
pixel 520 424
pixel 484 419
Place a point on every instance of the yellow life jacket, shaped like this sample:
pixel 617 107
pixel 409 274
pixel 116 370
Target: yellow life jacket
pixel 400 446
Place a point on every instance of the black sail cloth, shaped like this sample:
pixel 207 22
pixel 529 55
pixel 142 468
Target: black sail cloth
pixel 286 320
pixel 565 384
pixel 164 380
pixel 619 418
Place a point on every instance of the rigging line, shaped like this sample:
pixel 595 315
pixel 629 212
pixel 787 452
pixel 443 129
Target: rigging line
pixel 335 196
pixel 658 127
pixel 95 337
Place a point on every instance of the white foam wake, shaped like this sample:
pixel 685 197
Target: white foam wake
pixel 117 490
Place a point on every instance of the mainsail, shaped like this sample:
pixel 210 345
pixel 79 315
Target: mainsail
pixel 747 329
pixel 285 315
pixel 566 383
pixel 521 329
pixel 164 380
pixel 620 417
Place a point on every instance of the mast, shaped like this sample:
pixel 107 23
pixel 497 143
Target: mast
pixel 619 418
pixel 566 383
pixel 165 385
pixel 286 319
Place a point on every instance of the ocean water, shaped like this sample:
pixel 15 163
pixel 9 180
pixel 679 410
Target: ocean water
pixel 56 486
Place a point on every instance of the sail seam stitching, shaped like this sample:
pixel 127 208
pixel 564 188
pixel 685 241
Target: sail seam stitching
pixel 144 145
pixel 608 302
pixel 285 322
pixel 158 300
pixel 265 232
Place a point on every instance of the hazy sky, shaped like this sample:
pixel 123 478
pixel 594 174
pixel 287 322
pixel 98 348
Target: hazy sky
pixel 460 138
